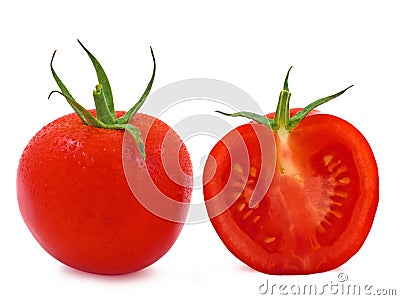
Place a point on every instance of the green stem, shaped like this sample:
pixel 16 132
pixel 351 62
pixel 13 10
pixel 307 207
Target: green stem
pixel 103 112
pixel 282 116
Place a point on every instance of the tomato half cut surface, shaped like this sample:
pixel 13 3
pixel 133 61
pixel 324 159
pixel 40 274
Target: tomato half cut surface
pixel 318 209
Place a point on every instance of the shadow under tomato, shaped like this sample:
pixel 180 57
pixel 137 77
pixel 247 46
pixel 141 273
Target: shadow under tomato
pixel 246 269
pixel 144 274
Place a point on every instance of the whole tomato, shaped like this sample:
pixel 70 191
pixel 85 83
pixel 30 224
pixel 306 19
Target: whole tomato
pixel 72 188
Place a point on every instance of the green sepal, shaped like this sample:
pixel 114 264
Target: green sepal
pixel 64 91
pixel 102 111
pixel 300 115
pixel 135 132
pixel 130 113
pixel 103 81
pixel 105 112
pixel 86 117
pixel 282 119
pixel 250 115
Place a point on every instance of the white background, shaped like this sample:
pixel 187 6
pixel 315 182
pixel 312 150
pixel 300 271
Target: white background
pixel 251 44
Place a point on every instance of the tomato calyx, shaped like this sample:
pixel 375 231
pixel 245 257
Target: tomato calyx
pixel 282 123
pixel 104 103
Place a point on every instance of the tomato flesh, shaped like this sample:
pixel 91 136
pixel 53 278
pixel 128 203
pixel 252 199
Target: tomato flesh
pixel 319 207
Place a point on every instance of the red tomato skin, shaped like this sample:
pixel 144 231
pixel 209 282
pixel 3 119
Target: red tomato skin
pixel 75 200
pixel 296 255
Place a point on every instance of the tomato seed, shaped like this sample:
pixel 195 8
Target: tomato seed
pixel 253 171
pixel 341 170
pixel 327 159
pixel 336 213
pixel 269 239
pixel 341 194
pixel 345 180
pixel 238 168
pixel 331 166
pixel 247 214
pixel 240 207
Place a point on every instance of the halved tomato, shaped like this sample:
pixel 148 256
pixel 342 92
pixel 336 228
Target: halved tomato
pixel 296 194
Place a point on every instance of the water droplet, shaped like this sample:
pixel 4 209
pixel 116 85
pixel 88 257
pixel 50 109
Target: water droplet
pixel 89 160
pixel 72 147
